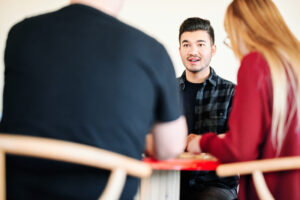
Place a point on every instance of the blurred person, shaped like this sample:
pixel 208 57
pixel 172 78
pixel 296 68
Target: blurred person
pixel 207 101
pixel 264 121
pixel 79 74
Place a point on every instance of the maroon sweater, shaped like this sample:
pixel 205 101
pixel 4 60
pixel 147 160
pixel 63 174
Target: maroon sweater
pixel 249 135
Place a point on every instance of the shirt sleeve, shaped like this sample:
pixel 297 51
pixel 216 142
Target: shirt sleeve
pixel 169 105
pixel 250 117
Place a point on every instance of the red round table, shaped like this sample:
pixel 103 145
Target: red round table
pixel 165 180
pixel 182 164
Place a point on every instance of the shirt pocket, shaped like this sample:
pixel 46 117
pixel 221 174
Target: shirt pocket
pixel 217 114
pixel 216 121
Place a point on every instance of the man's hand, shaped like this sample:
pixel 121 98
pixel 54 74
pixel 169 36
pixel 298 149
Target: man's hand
pixel 149 145
pixel 189 138
pixel 193 143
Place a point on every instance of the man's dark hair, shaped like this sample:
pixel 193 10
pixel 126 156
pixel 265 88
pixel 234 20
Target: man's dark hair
pixel 195 24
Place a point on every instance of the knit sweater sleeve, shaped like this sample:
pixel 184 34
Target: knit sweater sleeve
pixel 250 118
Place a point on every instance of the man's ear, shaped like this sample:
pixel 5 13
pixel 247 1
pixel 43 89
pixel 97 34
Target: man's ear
pixel 213 49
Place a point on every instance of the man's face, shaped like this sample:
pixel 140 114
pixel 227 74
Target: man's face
pixel 196 50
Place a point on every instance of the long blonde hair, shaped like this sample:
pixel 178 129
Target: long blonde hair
pixel 259 26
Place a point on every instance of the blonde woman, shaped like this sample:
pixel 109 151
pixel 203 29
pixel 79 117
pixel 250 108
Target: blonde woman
pixel 264 122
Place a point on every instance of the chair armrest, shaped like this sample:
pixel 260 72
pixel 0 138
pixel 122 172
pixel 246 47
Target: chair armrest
pixel 256 168
pixel 72 152
pixel 265 165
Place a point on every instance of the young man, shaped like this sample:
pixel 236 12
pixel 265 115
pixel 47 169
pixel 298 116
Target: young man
pixel 79 74
pixel 207 102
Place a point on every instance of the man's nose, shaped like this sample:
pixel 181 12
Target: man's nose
pixel 193 50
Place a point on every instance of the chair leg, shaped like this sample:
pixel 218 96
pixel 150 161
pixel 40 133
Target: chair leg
pixel 2 176
pixel 114 185
pixel 261 186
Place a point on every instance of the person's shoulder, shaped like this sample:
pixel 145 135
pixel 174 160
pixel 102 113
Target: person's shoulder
pixel 255 59
pixel 225 82
pixel 181 77
pixel 140 38
pixel 254 62
pixel 253 54
pixel 31 21
pixel 20 27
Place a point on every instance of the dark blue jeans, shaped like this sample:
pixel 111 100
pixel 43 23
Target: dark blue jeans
pixel 206 185
pixel 209 193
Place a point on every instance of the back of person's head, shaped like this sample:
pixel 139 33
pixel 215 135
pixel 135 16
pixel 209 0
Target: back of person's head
pixel 196 24
pixel 257 25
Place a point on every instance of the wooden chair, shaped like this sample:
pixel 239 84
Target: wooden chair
pixel 74 153
pixel 256 168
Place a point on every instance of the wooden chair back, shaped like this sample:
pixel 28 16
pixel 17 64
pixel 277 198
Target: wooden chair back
pixel 54 149
pixel 257 168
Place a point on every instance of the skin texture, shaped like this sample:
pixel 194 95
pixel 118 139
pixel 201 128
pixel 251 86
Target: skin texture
pixel 196 51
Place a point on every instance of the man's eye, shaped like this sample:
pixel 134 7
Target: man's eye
pixel 201 45
pixel 185 45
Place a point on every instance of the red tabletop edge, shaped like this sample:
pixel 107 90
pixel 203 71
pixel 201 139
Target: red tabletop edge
pixel 182 164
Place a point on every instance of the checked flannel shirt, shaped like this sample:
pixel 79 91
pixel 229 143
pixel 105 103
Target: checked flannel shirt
pixel 213 103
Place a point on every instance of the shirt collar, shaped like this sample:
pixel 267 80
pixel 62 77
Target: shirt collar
pixel 212 78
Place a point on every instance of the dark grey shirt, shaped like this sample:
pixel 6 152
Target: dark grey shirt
pixel 78 74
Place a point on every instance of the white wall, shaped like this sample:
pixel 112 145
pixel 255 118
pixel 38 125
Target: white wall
pixel 159 18
pixel 162 19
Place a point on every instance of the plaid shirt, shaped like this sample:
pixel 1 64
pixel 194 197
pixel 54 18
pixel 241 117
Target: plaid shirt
pixel 213 103
pixel 212 106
